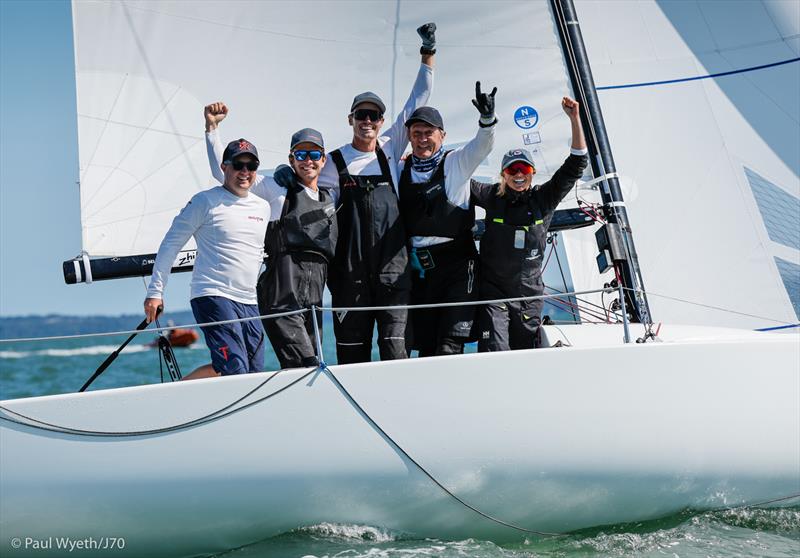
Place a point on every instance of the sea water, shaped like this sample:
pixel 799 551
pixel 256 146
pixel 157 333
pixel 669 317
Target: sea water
pixel 34 368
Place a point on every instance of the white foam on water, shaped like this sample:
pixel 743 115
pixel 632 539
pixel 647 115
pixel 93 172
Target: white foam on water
pixel 78 351
pixel 364 533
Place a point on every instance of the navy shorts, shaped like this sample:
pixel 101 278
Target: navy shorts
pixel 235 348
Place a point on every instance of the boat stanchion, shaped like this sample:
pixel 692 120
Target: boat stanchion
pixel 317 340
pixel 624 311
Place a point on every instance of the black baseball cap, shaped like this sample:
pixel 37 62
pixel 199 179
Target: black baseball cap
pixel 307 135
pixel 367 97
pixel 428 115
pixel 515 155
pixel 239 147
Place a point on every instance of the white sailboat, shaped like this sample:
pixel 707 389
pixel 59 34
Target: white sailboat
pixel 585 432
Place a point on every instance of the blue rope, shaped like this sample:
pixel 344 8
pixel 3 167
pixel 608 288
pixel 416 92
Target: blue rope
pixel 777 327
pixel 680 80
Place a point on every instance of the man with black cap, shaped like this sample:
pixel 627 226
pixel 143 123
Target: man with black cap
pixel 228 223
pixel 438 217
pixel 518 215
pixel 300 241
pixel 371 263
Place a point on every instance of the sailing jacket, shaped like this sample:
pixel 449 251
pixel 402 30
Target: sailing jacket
pixel 512 248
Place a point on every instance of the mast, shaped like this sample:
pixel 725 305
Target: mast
pixel 618 234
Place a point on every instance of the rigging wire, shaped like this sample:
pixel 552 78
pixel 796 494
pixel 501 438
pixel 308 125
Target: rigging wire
pixel 392 442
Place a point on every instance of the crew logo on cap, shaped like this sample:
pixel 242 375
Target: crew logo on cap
pixel 514 155
pixel 239 147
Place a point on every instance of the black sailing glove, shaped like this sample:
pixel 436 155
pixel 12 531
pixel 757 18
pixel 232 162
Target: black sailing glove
pixel 428 34
pixel 485 105
pixel 284 176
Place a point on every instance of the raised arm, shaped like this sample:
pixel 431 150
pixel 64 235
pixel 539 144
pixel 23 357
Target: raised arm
pixel 420 92
pixel 572 110
pixel 461 163
pixel 214 114
pixel 553 191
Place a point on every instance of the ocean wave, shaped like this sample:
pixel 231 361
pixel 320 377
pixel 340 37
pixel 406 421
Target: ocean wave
pixel 365 533
pixel 77 351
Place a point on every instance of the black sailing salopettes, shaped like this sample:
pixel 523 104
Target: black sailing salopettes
pixel 444 272
pixel 299 246
pixel 370 267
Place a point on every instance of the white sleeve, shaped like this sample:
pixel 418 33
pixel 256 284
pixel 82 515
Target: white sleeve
pixel 183 227
pixel 461 164
pixel 420 93
pixel 274 194
pixel 215 150
pixel 329 178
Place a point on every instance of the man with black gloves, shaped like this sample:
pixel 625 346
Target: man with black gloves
pixel 371 263
pixel 300 241
pixel 512 248
pixel 438 217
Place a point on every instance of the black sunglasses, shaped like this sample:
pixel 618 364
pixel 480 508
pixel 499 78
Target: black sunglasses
pixel 239 165
pixel 363 114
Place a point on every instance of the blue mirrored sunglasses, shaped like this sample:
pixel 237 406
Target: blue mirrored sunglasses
pixel 301 154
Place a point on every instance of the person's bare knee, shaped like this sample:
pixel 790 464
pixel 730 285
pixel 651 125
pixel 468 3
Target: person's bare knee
pixel 204 371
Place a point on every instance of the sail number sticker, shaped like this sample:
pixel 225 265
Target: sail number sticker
pixel 526 117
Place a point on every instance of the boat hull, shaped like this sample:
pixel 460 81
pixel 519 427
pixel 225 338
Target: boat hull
pixel 551 440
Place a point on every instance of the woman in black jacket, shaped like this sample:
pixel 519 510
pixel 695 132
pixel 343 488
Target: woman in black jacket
pixel 518 215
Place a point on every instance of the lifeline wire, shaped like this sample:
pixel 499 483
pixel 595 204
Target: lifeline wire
pixel 155 329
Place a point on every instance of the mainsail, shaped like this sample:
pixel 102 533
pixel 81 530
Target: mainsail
pixel 688 154
pixel 144 70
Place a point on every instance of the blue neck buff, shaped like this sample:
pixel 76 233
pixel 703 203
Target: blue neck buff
pixel 426 165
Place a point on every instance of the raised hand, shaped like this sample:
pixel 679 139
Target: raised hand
pixel 427 33
pixel 485 105
pixel 214 114
pixel 571 107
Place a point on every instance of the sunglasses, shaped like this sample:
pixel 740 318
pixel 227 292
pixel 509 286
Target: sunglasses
pixel 303 154
pixel 250 165
pixel 519 166
pixel 363 114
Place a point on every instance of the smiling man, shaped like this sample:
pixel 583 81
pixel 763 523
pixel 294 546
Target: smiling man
pixel 438 218
pixel 228 223
pixel 300 243
pixel 371 263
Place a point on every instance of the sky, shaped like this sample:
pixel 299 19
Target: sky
pixel 39 199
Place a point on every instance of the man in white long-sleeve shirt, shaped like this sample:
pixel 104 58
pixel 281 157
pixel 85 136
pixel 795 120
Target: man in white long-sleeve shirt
pixel 371 263
pixel 438 218
pixel 228 224
pixel 300 244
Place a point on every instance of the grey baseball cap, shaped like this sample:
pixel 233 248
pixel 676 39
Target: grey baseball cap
pixel 307 135
pixel 239 147
pixel 428 115
pixel 367 97
pixel 515 155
